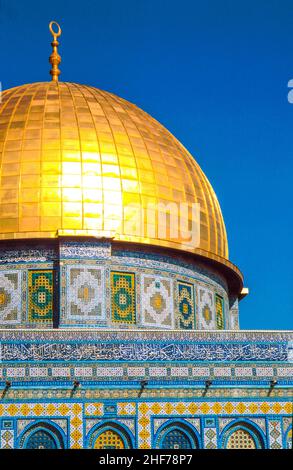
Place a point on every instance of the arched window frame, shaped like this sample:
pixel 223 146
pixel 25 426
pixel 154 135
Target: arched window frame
pixel 286 437
pixel 180 425
pixel 44 425
pixel 122 430
pixel 246 425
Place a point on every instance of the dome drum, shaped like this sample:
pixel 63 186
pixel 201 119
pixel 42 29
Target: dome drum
pixel 105 284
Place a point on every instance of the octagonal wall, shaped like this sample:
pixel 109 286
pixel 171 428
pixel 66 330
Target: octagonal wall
pixel 101 284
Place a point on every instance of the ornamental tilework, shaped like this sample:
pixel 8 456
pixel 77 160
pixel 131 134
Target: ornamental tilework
pixel 84 250
pixel 287 422
pixel 94 409
pixel 123 373
pixel 10 297
pixel 219 312
pixel 147 410
pixel 210 438
pixel 40 301
pixel 260 422
pixel 223 422
pixel 85 293
pixel 21 425
pixel 157 301
pixel 40 411
pixel 126 409
pixel 158 422
pixel 240 439
pixel 206 309
pixel 233 309
pixel 7 439
pixel 128 423
pixel 90 423
pixel 194 422
pixel 140 348
pixel 275 434
pixel 280 340
pixel 109 439
pixel 151 415
pixel 123 298
pixel 186 313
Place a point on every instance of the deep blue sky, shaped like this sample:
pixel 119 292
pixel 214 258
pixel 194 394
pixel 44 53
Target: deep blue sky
pixel 215 73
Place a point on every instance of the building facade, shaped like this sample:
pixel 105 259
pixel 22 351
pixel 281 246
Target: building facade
pixel 114 331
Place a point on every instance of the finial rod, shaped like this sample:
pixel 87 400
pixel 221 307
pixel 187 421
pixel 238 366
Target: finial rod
pixel 55 58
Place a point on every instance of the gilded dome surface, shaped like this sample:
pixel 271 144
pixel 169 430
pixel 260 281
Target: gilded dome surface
pixel 74 159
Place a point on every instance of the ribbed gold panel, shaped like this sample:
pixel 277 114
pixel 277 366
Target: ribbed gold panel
pixel 74 159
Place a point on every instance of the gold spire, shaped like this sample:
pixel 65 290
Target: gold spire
pixel 55 58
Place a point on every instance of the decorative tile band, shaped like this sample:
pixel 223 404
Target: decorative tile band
pixel 101 289
pixel 119 373
pixel 143 420
pixel 142 351
pixel 92 334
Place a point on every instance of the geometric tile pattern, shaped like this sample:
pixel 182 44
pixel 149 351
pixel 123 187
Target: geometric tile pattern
pixel 109 440
pixel 127 372
pixel 146 410
pixel 40 301
pixel 275 434
pixel 175 439
pixel 123 297
pixel 186 315
pixel 157 301
pixel 210 438
pixel 10 297
pixel 158 422
pixel 206 309
pixel 224 422
pixel 219 312
pixel 85 293
pixel 261 423
pixel 146 413
pixel 7 439
pixel 40 440
pixel 93 409
pixel 45 410
pixel 126 408
pixel 240 439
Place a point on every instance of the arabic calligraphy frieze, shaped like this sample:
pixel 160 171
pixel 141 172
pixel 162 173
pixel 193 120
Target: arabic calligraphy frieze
pixel 142 351
pixel 84 250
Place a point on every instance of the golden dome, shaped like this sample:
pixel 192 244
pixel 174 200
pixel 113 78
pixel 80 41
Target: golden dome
pixel 74 159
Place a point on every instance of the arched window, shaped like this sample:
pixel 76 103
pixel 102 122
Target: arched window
pixel 177 436
pixel 41 436
pixel 241 439
pixel 109 440
pixel 110 435
pixel 176 439
pixel 41 440
pixel 242 436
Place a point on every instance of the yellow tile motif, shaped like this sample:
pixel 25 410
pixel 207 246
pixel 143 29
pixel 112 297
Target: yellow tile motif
pixel 146 410
pixel 46 410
